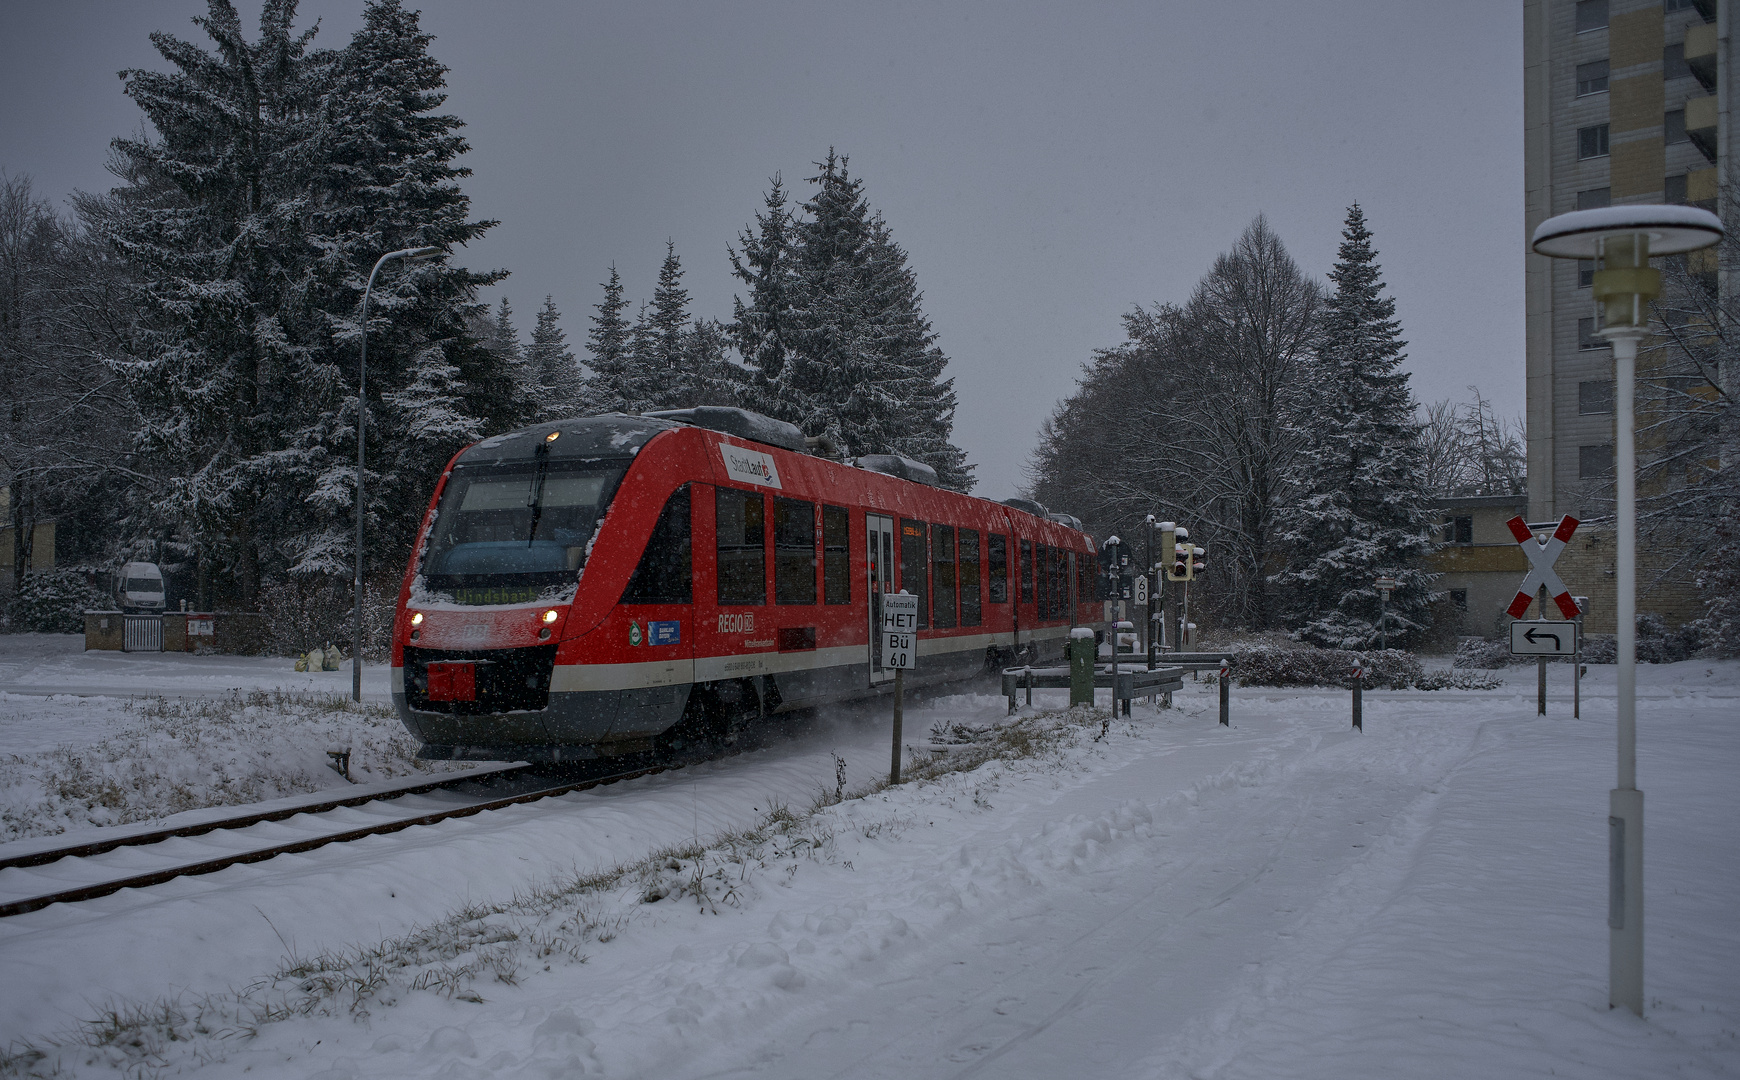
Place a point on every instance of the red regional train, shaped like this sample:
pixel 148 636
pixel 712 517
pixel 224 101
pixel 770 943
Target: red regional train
pixel 622 584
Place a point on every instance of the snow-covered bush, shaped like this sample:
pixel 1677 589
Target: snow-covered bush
pixel 309 611
pixel 1479 653
pixel 1657 643
pixel 54 602
pixel 1275 660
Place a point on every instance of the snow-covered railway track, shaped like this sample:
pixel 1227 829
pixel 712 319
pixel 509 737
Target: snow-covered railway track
pixel 79 874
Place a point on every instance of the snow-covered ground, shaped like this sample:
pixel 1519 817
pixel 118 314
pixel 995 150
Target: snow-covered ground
pixel 1158 897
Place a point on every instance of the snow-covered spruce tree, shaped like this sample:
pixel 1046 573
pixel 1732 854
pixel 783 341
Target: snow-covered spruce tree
pixel 276 176
pixel 609 342
pixel 392 182
pixel 663 360
pixel 553 366
pixel 1364 510
pixel 760 328
pixel 856 358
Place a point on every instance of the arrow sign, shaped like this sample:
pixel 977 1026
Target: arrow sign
pixel 1541 557
pixel 1534 634
pixel 1543 638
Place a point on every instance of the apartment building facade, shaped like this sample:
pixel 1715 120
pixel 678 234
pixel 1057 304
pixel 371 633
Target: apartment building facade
pixel 1625 101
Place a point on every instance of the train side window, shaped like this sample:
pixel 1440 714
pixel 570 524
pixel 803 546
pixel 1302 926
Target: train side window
pixel 666 571
pixel 1042 580
pixel 1060 583
pixel 942 575
pixel 997 554
pixel 836 556
pixel 741 524
pixel 794 551
pixel 914 566
pixel 1026 571
pixel 969 577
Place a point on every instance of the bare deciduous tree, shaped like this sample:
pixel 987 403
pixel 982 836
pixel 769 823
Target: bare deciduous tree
pixel 1200 417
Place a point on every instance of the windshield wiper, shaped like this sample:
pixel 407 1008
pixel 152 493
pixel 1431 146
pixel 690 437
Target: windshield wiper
pixel 536 499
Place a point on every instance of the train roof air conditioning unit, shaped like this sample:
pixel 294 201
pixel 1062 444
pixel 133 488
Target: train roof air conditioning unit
pixel 1028 505
pixel 739 422
pixel 903 467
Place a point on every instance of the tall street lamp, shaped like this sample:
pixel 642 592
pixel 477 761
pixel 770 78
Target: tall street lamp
pixel 1623 238
pixel 409 255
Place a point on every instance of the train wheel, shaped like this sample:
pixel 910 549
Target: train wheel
pixel 712 719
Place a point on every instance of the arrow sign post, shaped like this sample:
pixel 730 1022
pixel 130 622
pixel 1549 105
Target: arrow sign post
pixel 1541 556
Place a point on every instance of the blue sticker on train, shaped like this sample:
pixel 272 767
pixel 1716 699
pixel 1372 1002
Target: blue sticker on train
pixel 664 633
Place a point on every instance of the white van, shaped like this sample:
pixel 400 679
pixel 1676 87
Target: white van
pixel 139 588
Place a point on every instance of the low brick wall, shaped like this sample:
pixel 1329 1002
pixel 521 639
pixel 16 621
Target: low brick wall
pixel 103 630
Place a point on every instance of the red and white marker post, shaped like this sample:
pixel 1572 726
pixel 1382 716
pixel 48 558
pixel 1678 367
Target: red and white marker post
pixel 1541 556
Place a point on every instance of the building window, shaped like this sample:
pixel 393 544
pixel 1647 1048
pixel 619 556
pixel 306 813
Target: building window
pixel 1671 6
pixel 1673 127
pixel 1586 338
pixel 1592 141
pixel 1591 15
pixel 1592 78
pixel 1595 396
pixel 1585 273
pixel 1594 198
pixel 1459 530
pixel 1459 597
pixel 1595 462
pixel 1673 189
pixel 1673 62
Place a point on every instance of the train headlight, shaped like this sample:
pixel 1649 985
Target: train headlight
pixel 417 619
pixel 551 616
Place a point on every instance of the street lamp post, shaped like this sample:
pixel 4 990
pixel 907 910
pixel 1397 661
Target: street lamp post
pixel 362 368
pixel 1623 238
pixel 1384 585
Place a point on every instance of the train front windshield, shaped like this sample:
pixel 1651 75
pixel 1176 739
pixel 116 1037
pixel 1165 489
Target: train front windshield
pixel 510 534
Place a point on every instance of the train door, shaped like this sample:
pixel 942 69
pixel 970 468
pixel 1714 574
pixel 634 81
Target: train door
pixel 879 537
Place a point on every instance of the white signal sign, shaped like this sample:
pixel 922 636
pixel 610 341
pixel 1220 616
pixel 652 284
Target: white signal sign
pixel 1142 589
pixel 1543 638
pixel 899 630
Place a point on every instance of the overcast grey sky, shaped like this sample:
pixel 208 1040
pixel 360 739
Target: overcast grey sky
pixel 1046 166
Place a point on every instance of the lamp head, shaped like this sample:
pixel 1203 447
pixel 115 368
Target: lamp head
pixel 1623 238
pixel 1667 230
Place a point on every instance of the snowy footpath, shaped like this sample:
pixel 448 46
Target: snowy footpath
pixel 1153 897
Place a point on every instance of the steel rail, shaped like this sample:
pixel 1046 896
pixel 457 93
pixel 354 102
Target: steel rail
pixel 157 877
pixel 153 836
